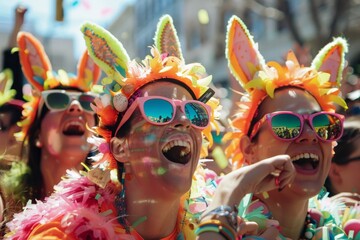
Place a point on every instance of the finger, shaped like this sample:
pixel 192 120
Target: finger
pixel 248 228
pixel 270 233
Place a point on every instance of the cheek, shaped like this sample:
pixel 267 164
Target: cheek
pixel 267 146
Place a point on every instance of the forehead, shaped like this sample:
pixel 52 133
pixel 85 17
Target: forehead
pixel 165 89
pixel 290 99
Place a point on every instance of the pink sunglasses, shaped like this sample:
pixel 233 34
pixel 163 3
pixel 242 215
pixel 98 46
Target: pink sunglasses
pixel 288 126
pixel 161 111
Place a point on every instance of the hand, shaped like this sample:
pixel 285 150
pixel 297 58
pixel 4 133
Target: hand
pixel 255 178
pixel 20 16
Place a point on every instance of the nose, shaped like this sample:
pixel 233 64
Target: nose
pixel 75 107
pixel 307 134
pixel 180 119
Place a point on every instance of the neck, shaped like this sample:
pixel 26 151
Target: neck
pixel 291 223
pixel 54 167
pixel 161 213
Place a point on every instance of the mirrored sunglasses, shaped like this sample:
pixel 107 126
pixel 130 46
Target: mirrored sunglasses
pixel 161 111
pixel 288 126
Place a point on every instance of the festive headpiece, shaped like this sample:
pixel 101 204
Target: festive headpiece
pixel 38 71
pixel 125 77
pixel 260 80
pixel 6 93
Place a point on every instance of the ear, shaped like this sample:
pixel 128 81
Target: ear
pixel 246 147
pixel 106 51
pixel 331 59
pixel 88 72
pixel 120 149
pixel 243 57
pixel 34 60
pixel 335 174
pixel 166 39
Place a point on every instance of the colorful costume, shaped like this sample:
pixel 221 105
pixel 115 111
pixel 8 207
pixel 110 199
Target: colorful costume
pixel 91 204
pixel 260 80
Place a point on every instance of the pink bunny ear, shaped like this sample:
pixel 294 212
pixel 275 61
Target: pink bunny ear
pixel 35 62
pixel 244 59
pixel 88 72
pixel 331 59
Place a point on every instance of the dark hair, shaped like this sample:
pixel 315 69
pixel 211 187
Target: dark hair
pixel 348 143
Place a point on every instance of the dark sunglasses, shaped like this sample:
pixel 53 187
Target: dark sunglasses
pixel 58 100
pixel 161 111
pixel 288 126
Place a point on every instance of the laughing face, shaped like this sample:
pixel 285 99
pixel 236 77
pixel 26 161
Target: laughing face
pixel 65 133
pixel 163 158
pixel 311 157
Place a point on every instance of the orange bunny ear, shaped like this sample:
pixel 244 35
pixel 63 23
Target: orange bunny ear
pixel 35 62
pixel 331 59
pixel 244 59
pixel 88 72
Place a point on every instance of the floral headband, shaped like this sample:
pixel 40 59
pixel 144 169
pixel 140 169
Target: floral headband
pixel 38 71
pixel 321 79
pixel 125 77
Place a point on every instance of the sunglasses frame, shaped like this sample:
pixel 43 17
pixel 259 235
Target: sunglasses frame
pixel 308 117
pixel 139 103
pixel 72 96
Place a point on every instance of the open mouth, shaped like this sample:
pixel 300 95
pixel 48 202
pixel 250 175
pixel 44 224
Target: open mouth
pixel 74 128
pixel 306 161
pixel 177 151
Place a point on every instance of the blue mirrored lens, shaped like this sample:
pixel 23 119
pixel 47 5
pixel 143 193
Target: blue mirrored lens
pixel 197 114
pixel 286 126
pixel 158 110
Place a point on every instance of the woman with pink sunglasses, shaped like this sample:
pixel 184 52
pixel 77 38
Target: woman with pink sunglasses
pixel 54 125
pixel 281 147
pixel 154 117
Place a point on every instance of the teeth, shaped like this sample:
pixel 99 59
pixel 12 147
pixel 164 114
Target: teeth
pixel 178 143
pixel 74 123
pixel 305 155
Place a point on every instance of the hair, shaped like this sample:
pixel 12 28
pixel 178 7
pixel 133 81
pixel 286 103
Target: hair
pixel 348 142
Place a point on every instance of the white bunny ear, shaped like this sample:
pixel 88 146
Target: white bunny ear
pixel 244 59
pixel 106 51
pixel 34 60
pixel 331 59
pixel 166 39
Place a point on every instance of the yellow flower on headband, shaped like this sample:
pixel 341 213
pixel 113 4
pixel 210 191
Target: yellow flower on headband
pixel 260 79
pixel 38 71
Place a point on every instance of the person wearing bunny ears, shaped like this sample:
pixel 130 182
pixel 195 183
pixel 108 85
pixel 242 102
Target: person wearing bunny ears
pixel 282 145
pixel 54 125
pixel 156 118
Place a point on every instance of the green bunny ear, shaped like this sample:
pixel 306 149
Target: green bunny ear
pixel 166 39
pixel 6 81
pixel 244 59
pixel 107 52
pixel 331 59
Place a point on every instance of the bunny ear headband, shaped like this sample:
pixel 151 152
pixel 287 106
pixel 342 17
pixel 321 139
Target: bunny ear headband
pixel 6 93
pixel 125 77
pixel 38 71
pixel 321 79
